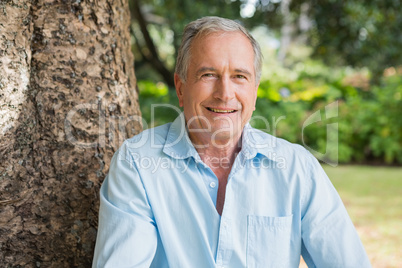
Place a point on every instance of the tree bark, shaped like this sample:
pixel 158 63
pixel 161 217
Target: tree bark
pixel 68 99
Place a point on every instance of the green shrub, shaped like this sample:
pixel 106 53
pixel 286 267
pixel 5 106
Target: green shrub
pixel 369 119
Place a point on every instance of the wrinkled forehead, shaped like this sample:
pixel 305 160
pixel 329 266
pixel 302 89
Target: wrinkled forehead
pixel 201 36
pixel 208 32
pixel 202 44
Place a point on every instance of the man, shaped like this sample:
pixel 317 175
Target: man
pixel 210 191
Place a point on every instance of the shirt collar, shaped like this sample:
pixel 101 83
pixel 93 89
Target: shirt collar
pixel 255 142
pixel 178 144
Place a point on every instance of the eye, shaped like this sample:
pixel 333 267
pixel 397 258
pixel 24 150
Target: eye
pixel 240 76
pixel 208 75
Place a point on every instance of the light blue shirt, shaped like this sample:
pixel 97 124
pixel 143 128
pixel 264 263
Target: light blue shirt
pixel 158 207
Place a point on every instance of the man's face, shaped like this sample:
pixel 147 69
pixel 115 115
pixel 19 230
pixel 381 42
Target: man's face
pixel 219 95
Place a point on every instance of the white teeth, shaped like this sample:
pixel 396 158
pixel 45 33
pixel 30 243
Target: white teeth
pixel 221 111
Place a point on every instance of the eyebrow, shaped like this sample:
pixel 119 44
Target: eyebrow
pixel 211 69
pixel 243 71
pixel 205 69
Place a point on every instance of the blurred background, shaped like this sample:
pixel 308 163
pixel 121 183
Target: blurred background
pixel 316 53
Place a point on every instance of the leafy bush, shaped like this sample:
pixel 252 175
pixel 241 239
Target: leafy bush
pixel 376 122
pixel 368 119
pixel 158 106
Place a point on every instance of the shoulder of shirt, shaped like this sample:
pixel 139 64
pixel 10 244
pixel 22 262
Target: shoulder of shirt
pixel 282 147
pixel 158 133
pixel 290 156
pixel 145 142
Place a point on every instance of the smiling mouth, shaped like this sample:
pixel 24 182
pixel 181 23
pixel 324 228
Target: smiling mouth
pixel 220 111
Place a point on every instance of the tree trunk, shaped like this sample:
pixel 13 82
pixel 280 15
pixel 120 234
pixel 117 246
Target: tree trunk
pixel 152 56
pixel 286 30
pixel 68 99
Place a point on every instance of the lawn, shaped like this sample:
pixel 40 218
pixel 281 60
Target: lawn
pixel 373 198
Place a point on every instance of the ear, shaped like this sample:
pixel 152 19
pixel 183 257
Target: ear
pixel 179 88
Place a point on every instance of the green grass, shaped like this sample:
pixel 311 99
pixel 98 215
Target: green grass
pixel 373 198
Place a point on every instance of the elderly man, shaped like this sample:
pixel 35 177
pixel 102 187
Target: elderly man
pixel 208 190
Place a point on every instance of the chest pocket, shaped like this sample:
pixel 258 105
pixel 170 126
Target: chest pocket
pixel 268 241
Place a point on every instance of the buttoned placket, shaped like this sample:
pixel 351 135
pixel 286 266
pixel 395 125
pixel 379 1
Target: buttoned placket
pixel 224 249
pixel 225 243
pixel 209 178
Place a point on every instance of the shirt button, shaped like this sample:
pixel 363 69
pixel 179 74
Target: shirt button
pixel 212 184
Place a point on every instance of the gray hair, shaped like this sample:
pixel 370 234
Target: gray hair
pixel 205 26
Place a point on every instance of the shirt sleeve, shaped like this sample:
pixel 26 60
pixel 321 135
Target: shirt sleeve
pixel 127 235
pixel 329 238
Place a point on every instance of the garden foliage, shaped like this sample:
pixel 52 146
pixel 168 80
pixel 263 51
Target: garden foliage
pixel 369 118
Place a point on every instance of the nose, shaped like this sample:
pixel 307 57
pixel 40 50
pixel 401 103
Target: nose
pixel 224 90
